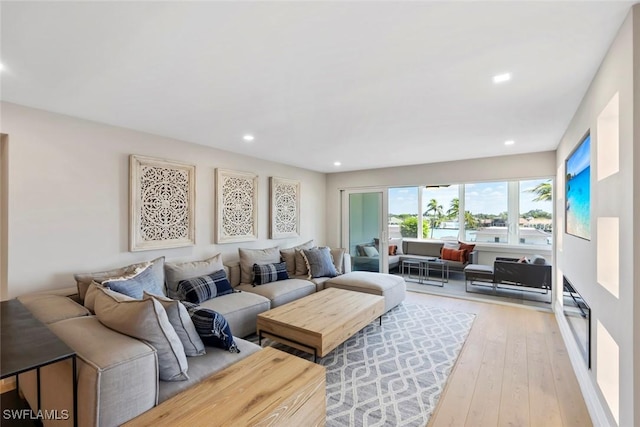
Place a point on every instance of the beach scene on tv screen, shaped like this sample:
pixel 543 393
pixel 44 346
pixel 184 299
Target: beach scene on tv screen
pixel 578 190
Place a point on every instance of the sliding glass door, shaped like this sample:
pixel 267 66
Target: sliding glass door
pixel 364 226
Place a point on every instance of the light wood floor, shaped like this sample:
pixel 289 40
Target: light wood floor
pixel 513 370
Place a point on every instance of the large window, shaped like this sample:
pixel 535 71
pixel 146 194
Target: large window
pixel 403 212
pixel 513 212
pixel 440 209
pixel 535 219
pixel 487 205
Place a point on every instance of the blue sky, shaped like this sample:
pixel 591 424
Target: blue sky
pixel 488 197
pixel 581 158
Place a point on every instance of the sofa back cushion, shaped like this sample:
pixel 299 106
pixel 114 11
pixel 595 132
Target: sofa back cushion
pixel 422 248
pixel 248 257
pixel 52 308
pixel 145 320
pixel 176 272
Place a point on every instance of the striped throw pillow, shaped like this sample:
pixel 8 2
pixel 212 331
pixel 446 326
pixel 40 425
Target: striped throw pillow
pixel 203 288
pixel 266 273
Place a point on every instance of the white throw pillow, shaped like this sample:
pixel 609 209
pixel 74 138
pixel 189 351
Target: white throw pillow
pixel 398 243
pixel 371 251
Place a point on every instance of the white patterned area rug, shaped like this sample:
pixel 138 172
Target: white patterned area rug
pixel 392 375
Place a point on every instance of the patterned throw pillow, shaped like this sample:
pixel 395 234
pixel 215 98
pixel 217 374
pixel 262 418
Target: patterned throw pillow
pixel 267 273
pixel 319 262
pixel 150 280
pixel 214 329
pixel 200 289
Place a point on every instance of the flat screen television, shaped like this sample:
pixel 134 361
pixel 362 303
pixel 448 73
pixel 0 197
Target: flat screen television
pixel 578 190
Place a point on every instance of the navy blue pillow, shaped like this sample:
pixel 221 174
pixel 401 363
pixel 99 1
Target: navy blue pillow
pixel 200 289
pixel 265 273
pixel 214 329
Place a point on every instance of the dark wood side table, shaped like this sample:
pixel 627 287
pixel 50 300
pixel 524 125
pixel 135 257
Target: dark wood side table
pixel 28 344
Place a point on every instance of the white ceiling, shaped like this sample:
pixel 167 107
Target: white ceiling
pixel 371 84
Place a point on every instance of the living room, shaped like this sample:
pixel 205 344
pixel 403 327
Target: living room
pixel 65 167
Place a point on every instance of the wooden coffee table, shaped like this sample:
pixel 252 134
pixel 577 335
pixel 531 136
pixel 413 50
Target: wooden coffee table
pixel 269 387
pixel 320 322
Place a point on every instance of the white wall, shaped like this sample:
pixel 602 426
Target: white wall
pixel 612 197
pixel 535 165
pixel 69 196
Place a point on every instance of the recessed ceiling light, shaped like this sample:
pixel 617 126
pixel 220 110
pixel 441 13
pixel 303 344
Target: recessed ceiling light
pixel 509 142
pixel 336 163
pixel 501 78
pixel 248 138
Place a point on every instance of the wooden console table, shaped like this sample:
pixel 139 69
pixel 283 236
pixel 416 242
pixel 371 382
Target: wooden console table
pixel 268 388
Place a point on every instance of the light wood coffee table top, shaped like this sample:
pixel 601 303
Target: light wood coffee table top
pixel 268 388
pixel 320 322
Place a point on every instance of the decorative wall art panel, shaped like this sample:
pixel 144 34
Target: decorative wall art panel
pixel 284 208
pixel 162 200
pixel 236 206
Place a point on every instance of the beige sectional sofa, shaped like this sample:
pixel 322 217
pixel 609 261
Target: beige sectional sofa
pixel 118 375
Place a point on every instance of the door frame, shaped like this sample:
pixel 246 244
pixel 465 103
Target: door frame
pixel 383 226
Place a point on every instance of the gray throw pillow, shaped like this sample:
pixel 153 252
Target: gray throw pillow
pixel 150 280
pixel 176 272
pixel 319 262
pixel 145 320
pixel 182 324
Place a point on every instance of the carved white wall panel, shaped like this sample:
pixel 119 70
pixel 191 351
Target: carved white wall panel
pixel 162 199
pixel 284 208
pixel 237 206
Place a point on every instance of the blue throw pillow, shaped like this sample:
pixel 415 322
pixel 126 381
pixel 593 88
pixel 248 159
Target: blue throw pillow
pixel 265 273
pixel 319 262
pixel 214 329
pixel 150 280
pixel 200 289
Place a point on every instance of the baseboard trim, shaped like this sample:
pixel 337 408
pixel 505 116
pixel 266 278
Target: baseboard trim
pixel 597 411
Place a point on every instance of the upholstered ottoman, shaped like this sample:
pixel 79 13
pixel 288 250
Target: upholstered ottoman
pixel 478 272
pixel 392 288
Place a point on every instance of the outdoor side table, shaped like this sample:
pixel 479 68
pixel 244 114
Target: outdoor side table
pixel 443 266
pixel 28 344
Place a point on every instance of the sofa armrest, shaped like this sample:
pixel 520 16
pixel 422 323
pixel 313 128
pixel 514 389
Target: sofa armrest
pixel 473 257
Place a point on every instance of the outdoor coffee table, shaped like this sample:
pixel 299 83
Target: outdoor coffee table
pixel 319 323
pixel 427 266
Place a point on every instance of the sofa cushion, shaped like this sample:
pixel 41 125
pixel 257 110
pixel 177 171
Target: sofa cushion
pixel 282 292
pixel 150 280
pixel 268 273
pixel 248 257
pixel 241 310
pixel 202 367
pixel 214 329
pixel 84 279
pixel 182 324
pixel 52 308
pixel 289 256
pixel 146 320
pixel 175 272
pixel 200 289
pixel 319 262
